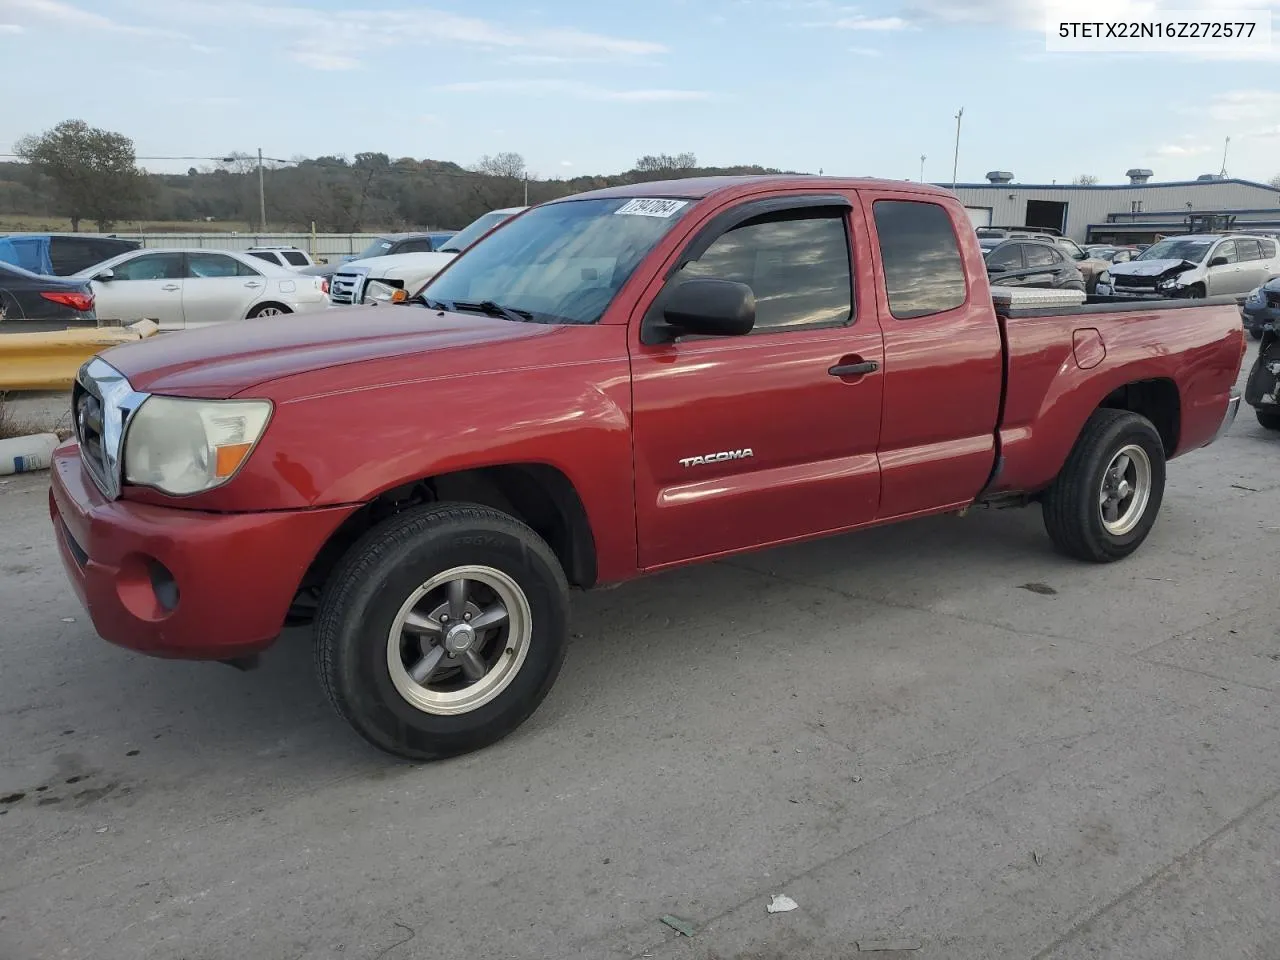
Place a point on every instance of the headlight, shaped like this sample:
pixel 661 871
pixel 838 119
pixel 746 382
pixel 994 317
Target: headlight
pixel 1105 277
pixel 376 291
pixel 1167 284
pixel 1255 295
pixel 182 447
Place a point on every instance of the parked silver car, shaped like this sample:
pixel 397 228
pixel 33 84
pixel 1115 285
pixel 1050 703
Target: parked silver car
pixel 1195 265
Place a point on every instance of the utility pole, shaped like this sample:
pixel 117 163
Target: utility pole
pixel 1226 146
pixel 923 158
pixel 262 197
pixel 526 188
pixel 955 165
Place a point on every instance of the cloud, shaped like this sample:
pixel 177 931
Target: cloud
pixel 66 16
pixel 581 91
pixel 1244 106
pixel 340 39
pixel 566 163
pixel 872 23
pixel 865 51
pixel 1187 148
pixel 11 28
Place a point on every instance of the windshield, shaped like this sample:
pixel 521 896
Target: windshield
pixel 559 263
pixel 1176 249
pixel 474 231
pixel 376 249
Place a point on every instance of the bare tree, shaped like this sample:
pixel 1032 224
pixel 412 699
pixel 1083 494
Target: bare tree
pixel 93 172
pixel 1275 181
pixel 660 162
pixel 507 164
pixel 1085 180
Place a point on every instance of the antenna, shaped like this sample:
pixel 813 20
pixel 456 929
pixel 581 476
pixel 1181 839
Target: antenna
pixel 1225 147
pixel 956 163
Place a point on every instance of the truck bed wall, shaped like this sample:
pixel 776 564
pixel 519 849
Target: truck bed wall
pixel 1051 388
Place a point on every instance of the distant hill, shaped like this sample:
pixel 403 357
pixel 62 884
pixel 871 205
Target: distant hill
pixel 370 192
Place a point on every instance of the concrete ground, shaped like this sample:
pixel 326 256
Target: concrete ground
pixel 937 736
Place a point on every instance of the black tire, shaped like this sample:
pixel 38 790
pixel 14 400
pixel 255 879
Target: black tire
pixel 1196 292
pixel 381 572
pixel 1268 419
pixel 1072 515
pixel 1255 334
pixel 266 309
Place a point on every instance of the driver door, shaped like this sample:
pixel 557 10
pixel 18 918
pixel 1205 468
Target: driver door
pixel 145 287
pixel 749 440
pixel 1225 278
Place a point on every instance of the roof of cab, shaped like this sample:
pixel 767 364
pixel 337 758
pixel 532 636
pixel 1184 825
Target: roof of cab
pixel 699 188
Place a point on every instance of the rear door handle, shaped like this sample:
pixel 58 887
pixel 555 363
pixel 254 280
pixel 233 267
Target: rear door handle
pixel 253 283
pixel 170 286
pixel 854 369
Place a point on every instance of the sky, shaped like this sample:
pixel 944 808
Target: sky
pixel 587 86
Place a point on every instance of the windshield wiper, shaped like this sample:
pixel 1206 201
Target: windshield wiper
pixel 492 309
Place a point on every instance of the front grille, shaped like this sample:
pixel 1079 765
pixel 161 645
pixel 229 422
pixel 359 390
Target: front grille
pixel 102 402
pixel 90 431
pixel 1135 283
pixel 346 287
pixel 1273 300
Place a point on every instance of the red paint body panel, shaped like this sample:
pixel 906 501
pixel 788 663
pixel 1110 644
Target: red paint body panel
pixel 1048 396
pixel 368 400
pixel 236 574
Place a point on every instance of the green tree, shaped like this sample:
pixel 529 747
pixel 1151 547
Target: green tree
pixel 93 173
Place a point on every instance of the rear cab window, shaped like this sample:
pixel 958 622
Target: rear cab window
pixel 266 255
pixel 923 270
pixel 296 257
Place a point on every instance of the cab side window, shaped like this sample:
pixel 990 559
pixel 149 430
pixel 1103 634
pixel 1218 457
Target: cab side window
pixel 1007 256
pixel 797 266
pixel 923 271
pixel 1226 249
pixel 1247 250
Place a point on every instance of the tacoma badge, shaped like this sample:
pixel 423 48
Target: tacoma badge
pixel 717 457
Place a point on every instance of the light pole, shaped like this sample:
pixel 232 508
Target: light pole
pixel 923 158
pixel 262 197
pixel 955 164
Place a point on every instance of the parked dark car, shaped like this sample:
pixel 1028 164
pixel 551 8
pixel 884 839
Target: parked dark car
pixel 1030 263
pixel 31 296
pixel 60 254
pixel 1260 311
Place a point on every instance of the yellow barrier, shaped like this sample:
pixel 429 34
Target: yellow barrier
pixel 49 361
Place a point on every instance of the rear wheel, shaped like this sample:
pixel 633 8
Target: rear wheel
pixel 268 310
pixel 1105 500
pixel 442 630
pixel 1268 419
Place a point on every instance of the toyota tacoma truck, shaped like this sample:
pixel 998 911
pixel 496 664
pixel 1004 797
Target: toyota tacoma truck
pixel 611 384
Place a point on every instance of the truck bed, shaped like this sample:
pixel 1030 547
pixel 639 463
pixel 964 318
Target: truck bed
pixel 1061 363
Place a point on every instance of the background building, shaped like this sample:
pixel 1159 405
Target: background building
pixel 1135 212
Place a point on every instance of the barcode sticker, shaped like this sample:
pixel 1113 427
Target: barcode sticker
pixel 651 208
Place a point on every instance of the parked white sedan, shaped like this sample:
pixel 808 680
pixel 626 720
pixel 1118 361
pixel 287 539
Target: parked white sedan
pixel 182 289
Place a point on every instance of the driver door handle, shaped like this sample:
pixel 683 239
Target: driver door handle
pixel 170 286
pixel 854 369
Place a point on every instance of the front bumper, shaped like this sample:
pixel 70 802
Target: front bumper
pixel 181 583
pixel 1260 319
pixel 1110 293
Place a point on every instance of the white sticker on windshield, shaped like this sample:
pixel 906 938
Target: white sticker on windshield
pixel 651 208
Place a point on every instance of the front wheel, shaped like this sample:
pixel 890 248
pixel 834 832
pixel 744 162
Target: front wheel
pixel 1105 500
pixel 1268 419
pixel 1255 334
pixel 442 630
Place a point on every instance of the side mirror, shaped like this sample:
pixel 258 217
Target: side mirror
pixel 105 275
pixel 712 308
pixel 1219 262
pixel 997 268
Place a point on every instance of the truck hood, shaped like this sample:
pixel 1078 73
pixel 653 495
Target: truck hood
pixel 1150 268
pixel 223 360
pixel 400 265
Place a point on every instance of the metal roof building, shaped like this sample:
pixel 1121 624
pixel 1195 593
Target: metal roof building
pixel 1134 212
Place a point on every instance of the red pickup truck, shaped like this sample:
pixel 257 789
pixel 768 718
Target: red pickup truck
pixel 607 385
